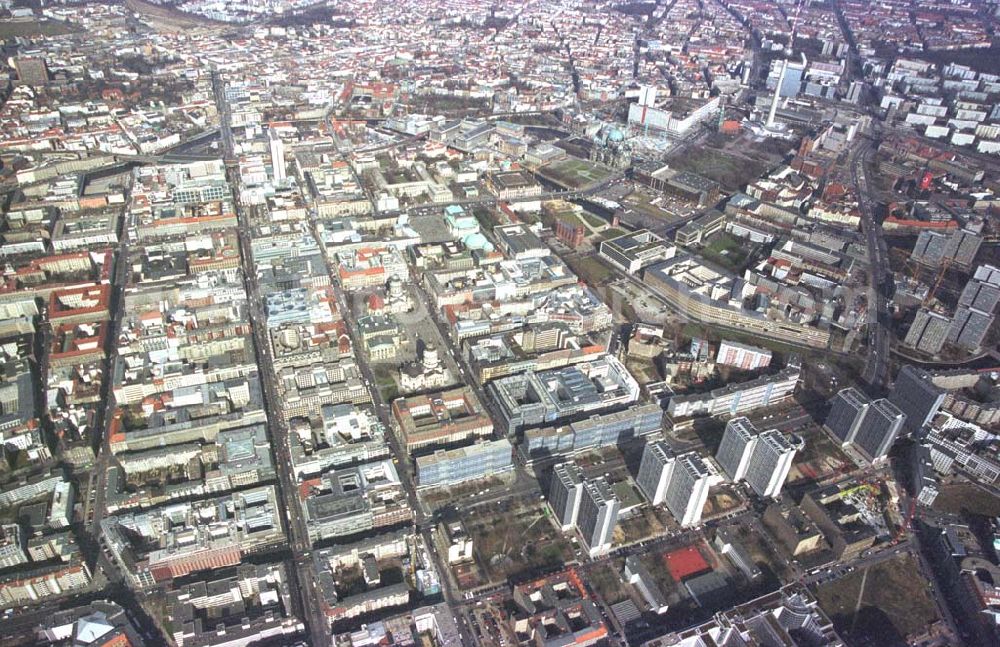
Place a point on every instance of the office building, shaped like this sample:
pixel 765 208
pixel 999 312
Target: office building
pixel 736 447
pixel 869 426
pixel 594 432
pixel 632 252
pixel 533 399
pixel 655 471
pixel 484 459
pixel 12 545
pixel 565 493
pixel 277 148
pixel 982 292
pixel 688 489
pixel 928 332
pixel 934 248
pixel 846 413
pixel 22 588
pixel 770 463
pixel 512 185
pixel 878 430
pixel 790 617
pixel 555 610
pixel 520 243
pixel 916 395
pixel 976 307
pixel 737 398
pixel 748 358
pixel 925 480
pixel 31 70
pixel 440 418
pixel 763 460
pixel 796 532
pixel 969 327
pixel 598 515
pixel 704 295
pixel 241 606
pixel 173 541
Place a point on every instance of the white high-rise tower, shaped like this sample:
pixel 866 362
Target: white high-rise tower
pixel 277 155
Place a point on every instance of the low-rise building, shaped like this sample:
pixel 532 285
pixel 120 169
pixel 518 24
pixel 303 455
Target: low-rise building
pixel 632 252
pixel 533 399
pixel 484 459
pixel 440 418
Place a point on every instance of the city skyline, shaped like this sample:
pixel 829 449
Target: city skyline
pixel 483 323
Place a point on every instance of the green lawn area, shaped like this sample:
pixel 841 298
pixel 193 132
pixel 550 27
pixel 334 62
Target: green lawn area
pixel 607 583
pixel 612 232
pixel 894 604
pixel 516 542
pixel 591 270
pixel 593 220
pixel 642 202
pixel 967 497
pixel 726 250
pixel 36 28
pixel 729 171
pixel 574 173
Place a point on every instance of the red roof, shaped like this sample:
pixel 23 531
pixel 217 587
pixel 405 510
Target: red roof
pixel 685 562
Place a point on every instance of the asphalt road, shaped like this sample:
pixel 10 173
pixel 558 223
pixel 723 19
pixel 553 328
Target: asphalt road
pixel 423 525
pixel 876 372
pixel 302 576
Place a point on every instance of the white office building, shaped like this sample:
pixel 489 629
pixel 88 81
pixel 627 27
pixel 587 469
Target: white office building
pixel 687 491
pixel 655 471
pixel 277 156
pixel 762 459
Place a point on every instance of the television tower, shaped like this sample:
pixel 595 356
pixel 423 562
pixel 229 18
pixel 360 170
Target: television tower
pixel 784 68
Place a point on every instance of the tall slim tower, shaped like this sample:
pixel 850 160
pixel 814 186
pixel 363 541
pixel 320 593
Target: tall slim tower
pixel 916 396
pixel 777 94
pixel 762 459
pixel 277 155
pixel 847 410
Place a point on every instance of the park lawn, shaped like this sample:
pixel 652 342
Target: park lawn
pixel 574 173
pixel 13 29
pixel 607 583
pixel 591 270
pixel 731 171
pixel 967 497
pixel 517 542
pixel 895 603
pixel 725 250
pixel 593 220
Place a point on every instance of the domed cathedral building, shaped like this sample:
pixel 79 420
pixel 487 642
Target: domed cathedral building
pixel 426 373
pixel 610 147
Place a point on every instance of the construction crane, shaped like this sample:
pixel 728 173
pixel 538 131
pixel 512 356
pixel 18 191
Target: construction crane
pixel 945 265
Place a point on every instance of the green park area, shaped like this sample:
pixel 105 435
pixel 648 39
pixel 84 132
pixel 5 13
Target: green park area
pixel 517 541
pixel 13 29
pixel 884 604
pixel 573 173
